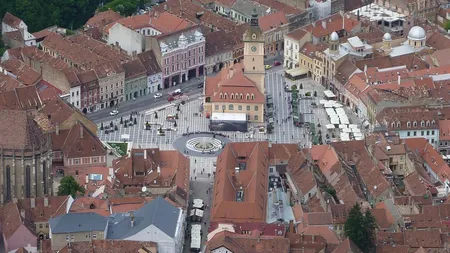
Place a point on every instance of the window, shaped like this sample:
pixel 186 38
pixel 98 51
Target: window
pixel 253 96
pixel 76 161
pixel 421 133
pixel 422 124
pixel 256 108
pixel 230 107
pixel 248 108
pixel 415 133
pixel 256 117
pixel 221 96
pixel 247 96
pixel 240 107
pixel 428 123
pixel 432 132
pixel 223 107
pixel 428 132
pixel 433 123
pixel 94 236
pixel 393 124
pixel 408 124
pixel 398 124
pixel 216 107
pixel 232 96
pixel 225 95
pixel 41 226
pixel 67 238
pixel 415 124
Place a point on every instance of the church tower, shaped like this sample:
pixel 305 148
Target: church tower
pixel 254 53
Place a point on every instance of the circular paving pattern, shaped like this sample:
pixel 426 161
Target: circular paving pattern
pixel 201 144
pixel 204 144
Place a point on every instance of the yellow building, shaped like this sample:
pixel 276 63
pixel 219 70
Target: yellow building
pixel 239 88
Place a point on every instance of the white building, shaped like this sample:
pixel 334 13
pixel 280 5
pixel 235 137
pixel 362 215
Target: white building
pixel 12 24
pixel 157 221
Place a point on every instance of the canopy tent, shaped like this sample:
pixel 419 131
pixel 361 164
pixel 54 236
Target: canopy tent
pixel 197 203
pixel 197 212
pixel 297 71
pixel 329 94
pixel 196 236
pixel 330 126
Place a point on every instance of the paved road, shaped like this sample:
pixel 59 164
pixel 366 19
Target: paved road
pixel 145 102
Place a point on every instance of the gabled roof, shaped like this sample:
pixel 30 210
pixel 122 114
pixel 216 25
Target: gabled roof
pixel 272 21
pixel 11 220
pixel 110 246
pixel 253 180
pixel 24 73
pixel 333 23
pixel 150 62
pixel 101 19
pixel 56 205
pixel 80 142
pixel 11 20
pixel 78 222
pixel 347 246
pixel 158 213
pixel 134 69
pixel 232 80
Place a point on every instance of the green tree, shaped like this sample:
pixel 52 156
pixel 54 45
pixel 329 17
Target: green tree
pixel 360 228
pixel 124 7
pixel 69 186
pixel 447 26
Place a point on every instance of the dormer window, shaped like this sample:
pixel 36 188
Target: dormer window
pixel 393 124
pixel 253 96
pixel 408 124
pixel 398 124
pixel 422 124
pixel 232 96
pixel 225 95
pixel 415 124
pixel 242 96
pixel 221 96
pixel 433 123
pixel 428 123
pixel 247 96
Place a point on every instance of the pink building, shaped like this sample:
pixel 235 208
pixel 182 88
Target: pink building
pixel 182 55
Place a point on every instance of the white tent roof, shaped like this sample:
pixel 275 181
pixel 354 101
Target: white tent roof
pixel 198 203
pixel 330 126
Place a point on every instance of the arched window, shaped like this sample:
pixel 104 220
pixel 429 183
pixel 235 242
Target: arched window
pixel 221 96
pixel 8 183
pixel 393 124
pixel 247 96
pixel 422 124
pixel 242 96
pixel 27 182
pixel 415 124
pixel 433 123
pixel 428 123
pixel 232 96
pixel 398 124
pixel 225 95
pixel 253 96
pixel 408 124
pixel 44 176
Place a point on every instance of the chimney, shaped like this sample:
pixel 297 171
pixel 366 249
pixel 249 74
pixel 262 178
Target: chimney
pixel 81 131
pixel 132 219
pixel 45 201
pixel 33 202
pixel 57 129
pixel 324 24
pixel 399 79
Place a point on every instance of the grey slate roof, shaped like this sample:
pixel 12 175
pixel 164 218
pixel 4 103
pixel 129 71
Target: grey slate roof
pixel 78 222
pixel 158 213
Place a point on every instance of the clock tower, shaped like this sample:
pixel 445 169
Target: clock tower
pixel 254 53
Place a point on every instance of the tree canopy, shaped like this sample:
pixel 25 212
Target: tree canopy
pixel 69 186
pixel 360 228
pixel 40 14
pixel 124 7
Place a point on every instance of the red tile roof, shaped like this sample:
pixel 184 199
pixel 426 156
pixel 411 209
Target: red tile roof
pixel 24 73
pixel 231 80
pixel 109 246
pixel 11 20
pixel 432 158
pixel 81 143
pixel 247 243
pixel 101 19
pixel 100 48
pixel 347 246
pixel 42 34
pixel 297 34
pixel 272 21
pixel 301 176
pixel 44 208
pixel 334 23
pixel 444 130
pixel 90 204
pixel 328 234
pixel 128 204
pixel 11 220
pixel 165 22
pixel 253 180
pixel 7 83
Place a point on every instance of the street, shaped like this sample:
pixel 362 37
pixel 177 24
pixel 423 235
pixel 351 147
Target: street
pixel 145 102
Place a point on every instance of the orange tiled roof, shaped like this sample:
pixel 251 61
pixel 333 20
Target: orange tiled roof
pixel 101 19
pixel 24 73
pixel 253 180
pixel 11 20
pixel 334 23
pixel 273 20
pixel 231 80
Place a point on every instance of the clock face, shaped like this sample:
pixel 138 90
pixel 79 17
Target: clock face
pixel 254 49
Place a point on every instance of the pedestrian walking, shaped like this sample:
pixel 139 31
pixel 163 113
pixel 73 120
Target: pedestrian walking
pixel 195 160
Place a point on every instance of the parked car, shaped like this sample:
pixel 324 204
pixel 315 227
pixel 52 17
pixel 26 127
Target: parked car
pixel 276 63
pixel 171 98
pixel 268 66
pixel 177 92
pixel 114 112
pixel 157 95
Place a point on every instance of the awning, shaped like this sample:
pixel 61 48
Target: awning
pixel 298 72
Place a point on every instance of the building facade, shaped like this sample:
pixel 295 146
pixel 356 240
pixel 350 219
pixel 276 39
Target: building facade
pixel 111 80
pixel 182 55
pixel 154 74
pixel 25 158
pixel 135 80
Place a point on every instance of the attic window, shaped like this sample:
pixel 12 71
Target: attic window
pixel 242 96
pixel 408 124
pixel 221 96
pixel 433 123
pixel 428 123
pixel 398 124
pixel 422 124
pixel 393 124
pixel 247 96
pixel 253 96
pixel 232 96
pixel 225 96
pixel 415 123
